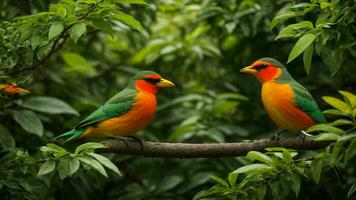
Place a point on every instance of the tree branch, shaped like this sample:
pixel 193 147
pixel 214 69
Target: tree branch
pixel 185 150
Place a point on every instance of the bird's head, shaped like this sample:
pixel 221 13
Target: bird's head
pixel 150 81
pixel 265 69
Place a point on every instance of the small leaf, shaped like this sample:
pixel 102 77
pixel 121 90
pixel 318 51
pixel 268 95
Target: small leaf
pixel 255 155
pixel 6 139
pixel 351 191
pixel 252 167
pixel 77 31
pixel 73 166
pixel 282 17
pixel 78 64
pixel 296 182
pixel 337 103
pixel 63 168
pixel 326 128
pixel 324 4
pixel 128 19
pixel 49 105
pixel 232 178
pixel 301 45
pixel 316 168
pixel 286 33
pixel 47 167
pixel 106 162
pixel 349 97
pixel 89 145
pixel 93 164
pixel 261 192
pixel 220 181
pixel 326 137
pixel 307 57
pixel 29 121
pixel 131 1
pixel 55 29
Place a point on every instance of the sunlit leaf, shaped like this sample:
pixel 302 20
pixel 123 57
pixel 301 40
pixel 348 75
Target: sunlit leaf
pixel 47 167
pixel 301 45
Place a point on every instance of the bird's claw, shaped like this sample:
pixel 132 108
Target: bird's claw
pixel 275 136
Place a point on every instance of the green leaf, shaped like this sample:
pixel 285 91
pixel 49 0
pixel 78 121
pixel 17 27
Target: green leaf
pixel 324 4
pixel 47 167
pixel 301 45
pixel 6 139
pixel 349 97
pixel 316 168
pixel 333 59
pixel 326 137
pixel 261 192
pixel 106 162
pixel 337 103
pixel 73 166
pixel 346 137
pixel 334 112
pixel 89 145
pixel 282 17
pixel 286 33
pixel 220 181
pixel 29 121
pixel 307 57
pixel 131 1
pixel 49 105
pixel 78 64
pixel 77 31
pixel 296 182
pixel 252 167
pixel 232 178
pixel 54 30
pixel 64 168
pixel 93 164
pixel 128 19
pixel 352 190
pixel 326 128
pixel 341 122
pixel 255 155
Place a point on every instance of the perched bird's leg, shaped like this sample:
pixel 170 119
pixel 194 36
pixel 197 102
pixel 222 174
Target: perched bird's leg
pixel 138 140
pixel 276 135
pixel 302 137
pixel 123 139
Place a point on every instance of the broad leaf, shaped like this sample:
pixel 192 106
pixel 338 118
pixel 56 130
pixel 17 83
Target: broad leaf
pixel 29 121
pixel 89 145
pixel 6 139
pixel 93 164
pixel 49 105
pixel 77 31
pixel 55 29
pixel 106 162
pixel 307 57
pixel 252 167
pixel 300 46
pixel 47 167
pixel 255 155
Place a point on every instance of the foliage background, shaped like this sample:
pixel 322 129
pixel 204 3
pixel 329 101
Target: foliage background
pixel 200 45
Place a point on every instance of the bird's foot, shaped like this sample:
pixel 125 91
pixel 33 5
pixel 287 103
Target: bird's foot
pixel 123 139
pixel 138 140
pixel 301 138
pixel 275 136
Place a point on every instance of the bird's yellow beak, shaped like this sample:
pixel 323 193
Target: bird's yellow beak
pixel 165 83
pixel 248 70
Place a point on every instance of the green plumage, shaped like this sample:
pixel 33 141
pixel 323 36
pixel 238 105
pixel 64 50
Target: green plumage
pixel 118 105
pixel 302 98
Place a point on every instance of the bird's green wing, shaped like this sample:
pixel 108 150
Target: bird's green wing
pixel 118 105
pixel 306 102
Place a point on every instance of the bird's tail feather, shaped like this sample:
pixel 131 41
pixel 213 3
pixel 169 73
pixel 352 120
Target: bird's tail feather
pixel 70 135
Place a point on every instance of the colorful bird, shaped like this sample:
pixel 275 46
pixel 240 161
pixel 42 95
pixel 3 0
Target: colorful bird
pixel 129 111
pixel 12 88
pixel 287 102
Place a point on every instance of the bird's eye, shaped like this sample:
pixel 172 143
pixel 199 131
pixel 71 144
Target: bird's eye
pixel 152 80
pixel 260 67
